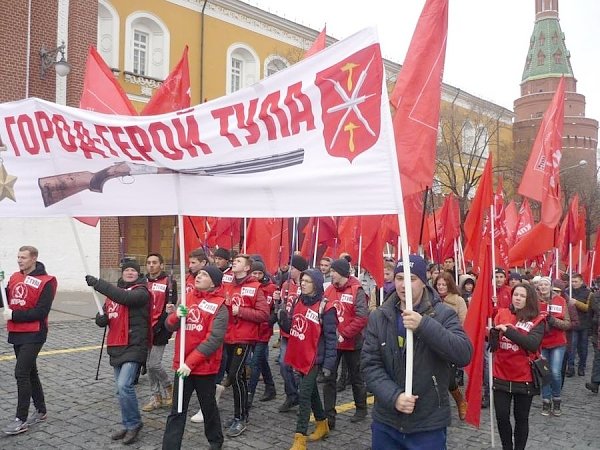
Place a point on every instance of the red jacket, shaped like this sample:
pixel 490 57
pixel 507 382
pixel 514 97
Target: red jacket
pixel 350 304
pixel 265 329
pixel 253 309
pixel 289 296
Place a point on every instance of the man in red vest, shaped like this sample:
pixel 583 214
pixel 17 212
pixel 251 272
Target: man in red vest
pixel 197 259
pixel 348 298
pixel 248 308
pixel 127 315
pixel 30 293
pixel 163 291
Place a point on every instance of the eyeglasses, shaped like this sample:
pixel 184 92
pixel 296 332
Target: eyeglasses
pixel 304 280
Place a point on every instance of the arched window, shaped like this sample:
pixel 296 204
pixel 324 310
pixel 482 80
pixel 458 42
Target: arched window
pixel 146 46
pixel 475 140
pixel 274 64
pixel 558 57
pixel 108 33
pixel 468 138
pixel 242 67
pixel 541 58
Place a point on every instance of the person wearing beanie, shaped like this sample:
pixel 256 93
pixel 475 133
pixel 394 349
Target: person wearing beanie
pixel 311 325
pixel 259 363
pixel 248 308
pixel 197 259
pixel 418 420
pixel 163 290
pixel 285 298
pixel 347 296
pixel 127 315
pixel 206 319
pixel 222 257
pixel 514 278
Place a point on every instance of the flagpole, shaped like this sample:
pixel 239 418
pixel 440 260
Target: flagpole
pixel 556 261
pixel 456 262
pixel 490 356
pixel 592 268
pixel 570 271
pixel 316 243
pixel 182 267
pixel 423 214
pixel 580 256
pixel 359 254
pixel 85 264
pixel 462 254
pixel 245 234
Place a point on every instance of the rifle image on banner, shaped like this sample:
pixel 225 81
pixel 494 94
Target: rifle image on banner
pixel 58 187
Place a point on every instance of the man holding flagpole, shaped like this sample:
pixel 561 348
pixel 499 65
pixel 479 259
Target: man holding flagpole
pixel 417 420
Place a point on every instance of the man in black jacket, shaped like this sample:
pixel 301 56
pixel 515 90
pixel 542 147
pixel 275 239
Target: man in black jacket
pixel 127 315
pixel 419 420
pixel 163 291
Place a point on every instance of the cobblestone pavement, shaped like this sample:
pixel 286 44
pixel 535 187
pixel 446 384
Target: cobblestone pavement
pixel 82 412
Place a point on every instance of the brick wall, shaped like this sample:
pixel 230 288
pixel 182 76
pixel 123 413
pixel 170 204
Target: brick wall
pixel 83 26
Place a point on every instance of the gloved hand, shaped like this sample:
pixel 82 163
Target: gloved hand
pixel 181 312
pixel 90 280
pixel 551 320
pixel 183 371
pixel 326 373
pixel 7 314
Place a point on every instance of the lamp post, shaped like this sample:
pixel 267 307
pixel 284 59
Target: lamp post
pixel 48 59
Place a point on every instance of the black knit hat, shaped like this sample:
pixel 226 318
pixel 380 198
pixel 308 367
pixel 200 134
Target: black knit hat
pixel 258 266
pixel 130 264
pixel 214 273
pixel 222 253
pixel 341 266
pixel 298 262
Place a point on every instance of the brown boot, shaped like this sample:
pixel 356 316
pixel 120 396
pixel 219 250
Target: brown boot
pixel 167 401
pixel 460 403
pixel 154 403
pixel 321 431
pixel 299 442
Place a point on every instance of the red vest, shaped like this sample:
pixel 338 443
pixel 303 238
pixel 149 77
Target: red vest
pixel 303 341
pixel 557 307
pixel 118 322
pixel 504 296
pixel 265 331
pixel 344 302
pixel 243 295
pixel 511 362
pixel 158 292
pixel 24 291
pixel 290 292
pixel 202 309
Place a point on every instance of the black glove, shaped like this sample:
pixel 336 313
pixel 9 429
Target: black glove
pixel 493 340
pixel 551 320
pixel 90 280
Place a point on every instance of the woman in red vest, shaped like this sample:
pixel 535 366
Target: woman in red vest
pixel 312 343
pixel 554 308
pixel 515 338
pixel 205 326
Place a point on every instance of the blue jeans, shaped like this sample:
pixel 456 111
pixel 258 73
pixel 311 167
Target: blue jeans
pixel 290 382
pixel 579 345
pixel 384 437
pixel 555 358
pixel 130 411
pixel 260 365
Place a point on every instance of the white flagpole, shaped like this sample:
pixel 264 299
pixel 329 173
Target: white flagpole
pixel 580 256
pixel 182 267
pixel 570 271
pixel 359 254
pixel 556 260
pixel 592 268
pixel 85 265
pixel 490 356
pixel 245 234
pixel 456 261
pixel 316 243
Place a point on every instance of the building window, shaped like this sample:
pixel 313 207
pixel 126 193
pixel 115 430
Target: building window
pixel 147 43
pixel 242 67
pixel 108 34
pixel 541 58
pixel 140 52
pixel 542 39
pixel 475 140
pixel 555 38
pixel 274 64
pixel 558 57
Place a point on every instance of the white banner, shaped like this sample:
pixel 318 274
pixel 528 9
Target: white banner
pixel 315 139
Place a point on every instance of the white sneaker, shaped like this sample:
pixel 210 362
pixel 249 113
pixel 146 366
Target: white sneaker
pixel 219 390
pixel 198 417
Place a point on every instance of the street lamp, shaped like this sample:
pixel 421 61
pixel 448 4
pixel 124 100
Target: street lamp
pixel 48 59
pixel 581 163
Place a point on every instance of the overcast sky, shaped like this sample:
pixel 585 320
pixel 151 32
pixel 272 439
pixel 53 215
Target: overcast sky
pixel 487 40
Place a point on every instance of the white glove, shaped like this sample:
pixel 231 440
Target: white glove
pixel 183 371
pixel 7 314
pixel 340 338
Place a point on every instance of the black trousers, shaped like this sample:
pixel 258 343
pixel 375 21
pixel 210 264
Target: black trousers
pixel 204 385
pixel 309 400
pixel 28 381
pixel 521 407
pixel 359 389
pixel 237 355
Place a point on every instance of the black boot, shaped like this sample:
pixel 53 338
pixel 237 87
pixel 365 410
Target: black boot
pixel 269 394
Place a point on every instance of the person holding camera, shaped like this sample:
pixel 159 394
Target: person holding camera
pixel 515 338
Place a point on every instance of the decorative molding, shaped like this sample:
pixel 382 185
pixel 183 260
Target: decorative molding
pixel 140 80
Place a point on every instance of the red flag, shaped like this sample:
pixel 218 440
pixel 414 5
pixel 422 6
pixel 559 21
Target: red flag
pixel 480 208
pixel 101 90
pixel 373 242
pixel 511 222
pixel 596 256
pixel 541 178
pixel 413 212
pixel 174 93
pixel 580 245
pixel 327 230
pixel 532 244
pixel 225 232
pixel 318 45
pixel 91 221
pixel 500 233
pixel 448 227
pixel 264 237
pixel 480 309
pixel 193 232
pixel 569 233
pixel 349 234
pixel 417 97
pixel 525 220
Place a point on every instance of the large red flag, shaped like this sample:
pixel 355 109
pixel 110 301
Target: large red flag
pixel 541 178
pixel 373 241
pixel 534 243
pixel 480 309
pixel 327 230
pixel 417 97
pixel 264 237
pixel 500 233
pixel 511 222
pixel 349 235
pixel 448 227
pixel 525 220
pixel 225 232
pixel 319 43
pixel 101 90
pixel 569 233
pixel 479 210
pixel 193 232
pixel 413 212
pixel 174 93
